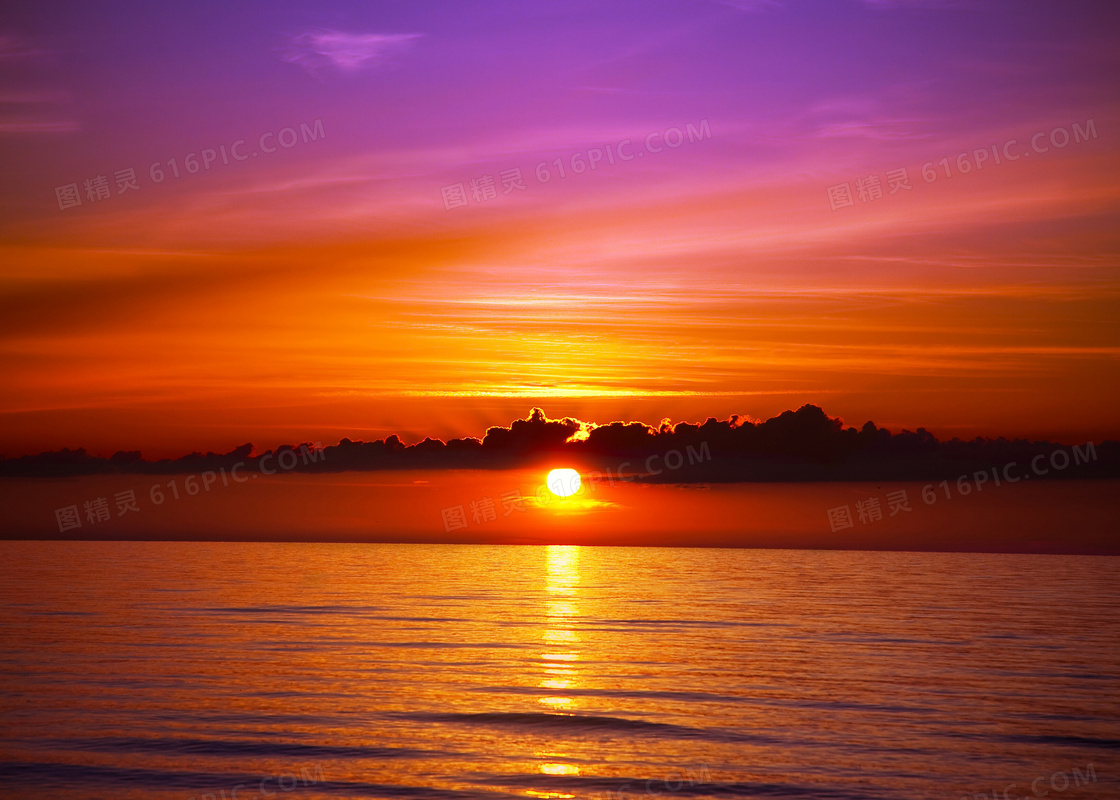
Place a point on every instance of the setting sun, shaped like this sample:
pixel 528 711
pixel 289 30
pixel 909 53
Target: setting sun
pixel 563 482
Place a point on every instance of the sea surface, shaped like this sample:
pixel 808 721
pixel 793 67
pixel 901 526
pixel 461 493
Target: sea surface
pixel 250 670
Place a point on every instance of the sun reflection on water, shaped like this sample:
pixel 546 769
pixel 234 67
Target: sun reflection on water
pixel 560 667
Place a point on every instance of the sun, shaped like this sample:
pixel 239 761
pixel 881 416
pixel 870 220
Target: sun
pixel 563 482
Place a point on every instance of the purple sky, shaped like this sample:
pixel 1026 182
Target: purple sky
pixel 970 303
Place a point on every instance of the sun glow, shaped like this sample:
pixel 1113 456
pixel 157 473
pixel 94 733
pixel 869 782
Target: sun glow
pixel 563 482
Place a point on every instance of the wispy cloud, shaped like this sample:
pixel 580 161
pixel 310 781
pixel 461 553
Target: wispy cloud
pixel 21 112
pixel 878 129
pixel 751 5
pixel 34 97
pixel 39 126
pixel 14 46
pixel 914 3
pixel 347 52
pixel 23 97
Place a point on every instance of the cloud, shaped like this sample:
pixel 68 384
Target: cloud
pixel 346 52
pixel 14 47
pixel 802 445
pixel 22 106
pixel 877 129
pixel 34 97
pixel 751 5
pixel 914 3
pixel 39 126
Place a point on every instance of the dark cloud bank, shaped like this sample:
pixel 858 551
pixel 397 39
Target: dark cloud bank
pixel 802 445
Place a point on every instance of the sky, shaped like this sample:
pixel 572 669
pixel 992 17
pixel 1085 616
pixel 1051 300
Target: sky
pixel 360 219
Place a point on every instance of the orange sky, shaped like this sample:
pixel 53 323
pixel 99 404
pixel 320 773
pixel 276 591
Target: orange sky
pixel 683 307
pixel 1044 516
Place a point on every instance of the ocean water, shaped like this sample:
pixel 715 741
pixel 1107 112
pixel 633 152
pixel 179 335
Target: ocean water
pixel 180 670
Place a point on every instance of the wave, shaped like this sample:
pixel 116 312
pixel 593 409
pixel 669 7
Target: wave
pixel 60 777
pixel 237 748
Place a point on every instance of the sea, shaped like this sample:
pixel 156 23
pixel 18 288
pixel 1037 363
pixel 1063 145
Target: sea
pixel 237 671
